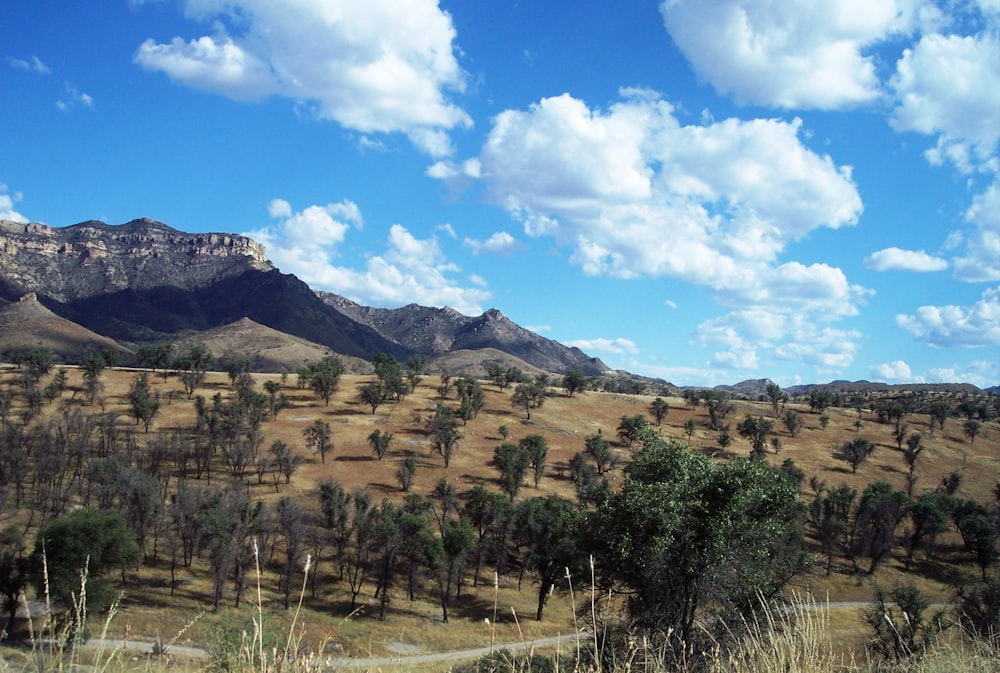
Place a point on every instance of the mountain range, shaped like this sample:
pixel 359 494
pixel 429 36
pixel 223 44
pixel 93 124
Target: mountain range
pixel 144 282
pixel 95 285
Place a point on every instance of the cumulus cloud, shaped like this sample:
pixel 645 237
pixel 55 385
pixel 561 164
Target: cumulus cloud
pixel 73 98
pixel 500 243
pixel 619 346
pixel 897 370
pixel 632 192
pixel 306 243
pixel 787 54
pixel 981 261
pixel 957 326
pixel 897 259
pixel 373 67
pixel 950 85
pixel 7 202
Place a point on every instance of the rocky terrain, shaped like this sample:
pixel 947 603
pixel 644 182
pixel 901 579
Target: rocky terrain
pixel 144 282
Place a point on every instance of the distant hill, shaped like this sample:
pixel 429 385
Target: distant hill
pixel 436 331
pixel 26 324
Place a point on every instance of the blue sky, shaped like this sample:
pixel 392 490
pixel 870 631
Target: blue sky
pixel 701 190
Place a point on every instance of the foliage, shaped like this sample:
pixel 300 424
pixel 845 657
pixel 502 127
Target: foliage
pixel 756 429
pixel 631 428
pixel 88 540
pixel 444 434
pixel 512 462
pixel 574 382
pixel 855 452
pixel 319 438
pixel 324 377
pixel 528 396
pixel 899 628
pixel 683 533
pixel 658 409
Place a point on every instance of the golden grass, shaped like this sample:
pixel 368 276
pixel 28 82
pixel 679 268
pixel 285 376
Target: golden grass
pixel 148 611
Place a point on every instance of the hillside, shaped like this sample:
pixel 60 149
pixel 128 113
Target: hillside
pixel 160 603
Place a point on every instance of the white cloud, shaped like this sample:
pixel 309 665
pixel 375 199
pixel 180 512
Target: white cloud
pixel 982 373
pixel 950 85
pixel 982 259
pixel 787 54
pixel 73 98
pixel 373 67
pixel 33 64
pixel 619 346
pixel 634 193
pixel 306 243
pixel 896 259
pixel 897 370
pixel 957 326
pixel 500 243
pixel 538 329
pixel 7 202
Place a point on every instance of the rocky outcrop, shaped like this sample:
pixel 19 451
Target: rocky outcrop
pixel 93 258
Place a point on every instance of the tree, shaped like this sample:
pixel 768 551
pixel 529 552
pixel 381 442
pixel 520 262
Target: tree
pixel 512 462
pixel 319 438
pixel 777 397
pixel 819 400
pixel 793 422
pixel 92 541
pixel 574 382
pixel 145 405
pixel 873 533
pixel 489 515
pixel 631 428
pixel 406 472
pixel 13 571
pixel 324 377
pixel 444 434
pixel 659 409
pixel 689 427
pixel 528 396
pixel 155 356
pixel 600 452
pixel 538 450
pixel 684 535
pixel 829 514
pixel 471 398
pixel 373 394
pixel 547 529
pixel 390 375
pixel 855 452
pixel 93 365
pixel 497 375
pixel 756 429
pixel 192 367
pixel 379 441
pixel 930 515
pixel 971 429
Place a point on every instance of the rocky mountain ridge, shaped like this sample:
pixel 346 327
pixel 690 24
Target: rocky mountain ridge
pixel 144 281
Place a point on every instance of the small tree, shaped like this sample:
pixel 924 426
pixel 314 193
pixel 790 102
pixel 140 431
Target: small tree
pixel 600 452
pixel 373 394
pixel 324 377
pixel 793 422
pixel 971 429
pixel 855 452
pixel 406 473
pixel 512 462
pixel 756 429
pixel 145 405
pixel 528 396
pixel 444 434
pixel 659 409
pixel 630 428
pixel 379 441
pixel 319 438
pixel 192 367
pixel 537 449
pixel 574 382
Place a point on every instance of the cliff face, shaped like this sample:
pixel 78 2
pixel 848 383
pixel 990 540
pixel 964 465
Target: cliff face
pixel 91 258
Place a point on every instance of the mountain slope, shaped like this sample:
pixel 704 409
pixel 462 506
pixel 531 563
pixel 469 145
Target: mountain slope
pixel 435 331
pixel 26 324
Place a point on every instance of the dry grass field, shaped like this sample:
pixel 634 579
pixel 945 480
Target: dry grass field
pixel 150 611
